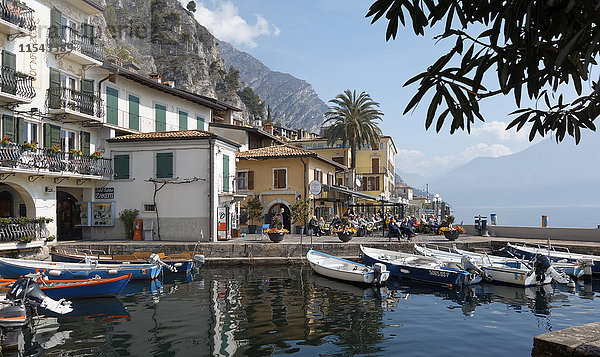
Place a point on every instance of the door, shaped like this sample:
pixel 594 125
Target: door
pixel 6 204
pixel 375 165
pixel 67 216
pixel 112 106
pixel 9 72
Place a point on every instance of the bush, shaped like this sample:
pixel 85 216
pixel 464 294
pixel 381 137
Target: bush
pixel 127 216
pixel 50 238
pixel 26 239
pixel 300 212
pixel 255 209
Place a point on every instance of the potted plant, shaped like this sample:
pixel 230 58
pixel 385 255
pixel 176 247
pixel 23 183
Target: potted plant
pixel 30 146
pixel 300 214
pixel 75 152
pixel 96 155
pixel 452 232
pixel 255 209
pixel 55 148
pixel 276 232
pixel 6 141
pixel 345 232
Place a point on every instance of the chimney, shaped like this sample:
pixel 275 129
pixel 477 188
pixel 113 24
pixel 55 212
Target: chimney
pixel 155 77
pixel 169 83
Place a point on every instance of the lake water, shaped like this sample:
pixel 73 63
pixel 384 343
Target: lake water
pixel 280 310
pixel 558 216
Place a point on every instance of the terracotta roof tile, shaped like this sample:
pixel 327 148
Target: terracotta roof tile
pixel 169 135
pixel 283 151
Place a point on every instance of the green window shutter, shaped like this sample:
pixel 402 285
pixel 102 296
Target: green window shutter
pixel 55 33
pixel 8 126
pixel 20 131
pixel 51 135
pixel 112 106
pixel 183 119
pixel 85 143
pixel 9 74
pixel 164 165
pixel 200 123
pixel 55 17
pixel 54 97
pixel 134 112
pixel 87 97
pixel 121 167
pixel 160 117
pixel 225 173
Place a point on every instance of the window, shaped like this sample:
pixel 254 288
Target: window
pixel 183 120
pixel 245 180
pixel 200 123
pixel 338 159
pixel 373 184
pixel 85 142
pixel 225 173
pixel 30 134
pixel 160 117
pixel 112 106
pixel 134 112
pixel 318 175
pixel 148 207
pixel 121 167
pixel 375 165
pixel 330 181
pixel 67 140
pixel 164 165
pixel 279 178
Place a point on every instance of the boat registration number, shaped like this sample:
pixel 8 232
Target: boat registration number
pixel 442 274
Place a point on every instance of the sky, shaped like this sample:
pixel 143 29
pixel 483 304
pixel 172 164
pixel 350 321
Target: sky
pixel 330 44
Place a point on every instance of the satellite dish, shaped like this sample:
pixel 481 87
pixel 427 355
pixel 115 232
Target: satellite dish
pixel 358 182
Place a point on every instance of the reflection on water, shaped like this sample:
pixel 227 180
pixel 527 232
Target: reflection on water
pixel 259 311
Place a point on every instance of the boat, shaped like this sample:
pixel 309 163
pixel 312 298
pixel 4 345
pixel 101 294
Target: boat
pixel 346 270
pixel 419 267
pixel 14 268
pixel 499 269
pixel 77 289
pixel 556 254
pixel 182 262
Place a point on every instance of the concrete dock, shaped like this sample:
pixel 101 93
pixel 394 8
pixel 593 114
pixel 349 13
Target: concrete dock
pixel 577 341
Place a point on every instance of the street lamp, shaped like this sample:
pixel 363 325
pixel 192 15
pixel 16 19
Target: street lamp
pixel 382 214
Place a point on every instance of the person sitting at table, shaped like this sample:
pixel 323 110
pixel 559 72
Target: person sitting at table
pixel 407 228
pixel 313 225
pixel 395 230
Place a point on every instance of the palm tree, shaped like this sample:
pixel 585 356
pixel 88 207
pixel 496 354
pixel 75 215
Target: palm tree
pixel 353 121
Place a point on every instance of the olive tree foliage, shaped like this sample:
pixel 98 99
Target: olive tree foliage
pixel 537 48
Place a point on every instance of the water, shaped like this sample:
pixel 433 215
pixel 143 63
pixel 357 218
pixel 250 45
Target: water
pixel 558 216
pixel 280 310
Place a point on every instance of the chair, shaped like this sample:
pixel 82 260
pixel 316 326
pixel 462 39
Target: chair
pixel 263 228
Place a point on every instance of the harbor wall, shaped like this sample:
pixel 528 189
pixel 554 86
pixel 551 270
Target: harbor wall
pixel 575 341
pixel 569 234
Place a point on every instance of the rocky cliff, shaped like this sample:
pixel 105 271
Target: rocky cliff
pixel 161 36
pixel 293 101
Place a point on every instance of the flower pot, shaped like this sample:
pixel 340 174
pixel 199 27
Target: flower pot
pixel 251 228
pixel 276 237
pixel 345 237
pixel 451 235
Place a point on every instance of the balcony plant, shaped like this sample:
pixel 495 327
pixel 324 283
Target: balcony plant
pixel 96 155
pixel 255 209
pixel 276 232
pixel 55 148
pixel 75 152
pixel 345 232
pixel 6 141
pixel 30 146
pixel 300 214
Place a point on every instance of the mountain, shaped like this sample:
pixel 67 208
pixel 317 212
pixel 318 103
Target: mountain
pixel 414 180
pixel 545 174
pixel 293 101
pixel 162 36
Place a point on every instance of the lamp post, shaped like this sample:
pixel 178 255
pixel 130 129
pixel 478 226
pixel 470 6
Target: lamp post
pixel 382 215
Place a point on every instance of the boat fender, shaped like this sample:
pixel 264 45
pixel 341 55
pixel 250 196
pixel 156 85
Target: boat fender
pixel 113 271
pixel 54 272
pixel 177 265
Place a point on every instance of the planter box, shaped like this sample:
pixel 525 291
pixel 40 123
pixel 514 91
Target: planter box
pixel 345 237
pixel 276 237
pixel 451 235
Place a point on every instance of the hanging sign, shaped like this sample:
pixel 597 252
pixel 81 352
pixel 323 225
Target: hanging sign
pixel 315 187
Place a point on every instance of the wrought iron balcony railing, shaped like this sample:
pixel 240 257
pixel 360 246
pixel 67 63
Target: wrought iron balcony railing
pixel 23 157
pixel 16 83
pixel 12 229
pixel 17 14
pixel 67 39
pixel 82 102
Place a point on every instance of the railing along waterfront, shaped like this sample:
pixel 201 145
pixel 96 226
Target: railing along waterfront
pixel 13 229
pixel 67 39
pixel 23 157
pixel 17 14
pixel 82 102
pixel 16 83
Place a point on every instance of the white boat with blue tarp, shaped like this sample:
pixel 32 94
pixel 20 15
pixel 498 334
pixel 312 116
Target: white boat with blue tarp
pixel 556 254
pixel 346 270
pixel 420 268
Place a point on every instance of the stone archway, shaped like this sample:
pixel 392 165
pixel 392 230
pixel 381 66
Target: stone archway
pixel 274 207
pixel 67 216
pixel 15 201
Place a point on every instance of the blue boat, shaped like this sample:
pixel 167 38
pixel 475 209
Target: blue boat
pixel 419 268
pixel 14 268
pixel 556 254
pixel 78 289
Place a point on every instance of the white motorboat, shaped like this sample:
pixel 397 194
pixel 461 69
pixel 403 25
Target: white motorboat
pixel 346 270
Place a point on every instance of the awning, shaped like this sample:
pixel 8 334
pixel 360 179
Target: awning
pixel 355 193
pixel 225 197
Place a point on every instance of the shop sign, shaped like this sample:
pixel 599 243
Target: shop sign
pixel 104 193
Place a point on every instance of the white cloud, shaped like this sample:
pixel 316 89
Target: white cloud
pixel 496 130
pixel 414 161
pixel 225 23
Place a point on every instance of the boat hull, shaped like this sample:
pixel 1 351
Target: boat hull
pixel 78 289
pixel 341 269
pixel 512 276
pixel 184 266
pixel 15 268
pixel 528 253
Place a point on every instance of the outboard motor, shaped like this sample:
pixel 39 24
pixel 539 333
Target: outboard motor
pixel 155 259
pixel 381 272
pixel 198 260
pixel 585 268
pixel 541 266
pixel 27 291
pixel 468 265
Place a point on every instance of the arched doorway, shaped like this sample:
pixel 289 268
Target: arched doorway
pixel 287 217
pixel 6 204
pixel 67 216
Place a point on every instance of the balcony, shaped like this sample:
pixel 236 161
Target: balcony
pixel 89 7
pixel 372 170
pixel 46 161
pixel 76 104
pixel 16 19
pixel 15 87
pixel 70 44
